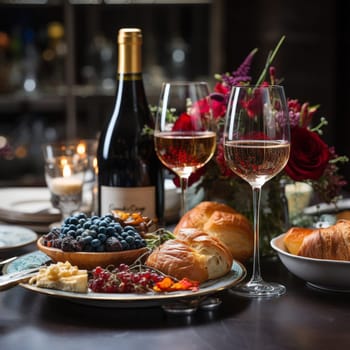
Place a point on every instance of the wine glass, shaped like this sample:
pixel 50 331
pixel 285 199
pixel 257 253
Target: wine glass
pixel 184 135
pixel 65 170
pixel 257 146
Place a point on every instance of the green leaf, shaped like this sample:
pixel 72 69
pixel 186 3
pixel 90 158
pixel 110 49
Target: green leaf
pixel 269 61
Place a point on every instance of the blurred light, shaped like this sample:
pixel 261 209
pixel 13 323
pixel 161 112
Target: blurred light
pixel 178 55
pixel 21 152
pixel 108 84
pixel 81 148
pixel 3 142
pixel 29 85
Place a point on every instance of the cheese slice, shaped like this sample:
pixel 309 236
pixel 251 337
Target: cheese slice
pixel 62 276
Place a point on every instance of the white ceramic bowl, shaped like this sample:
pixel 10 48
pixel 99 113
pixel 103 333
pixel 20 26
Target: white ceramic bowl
pixel 321 273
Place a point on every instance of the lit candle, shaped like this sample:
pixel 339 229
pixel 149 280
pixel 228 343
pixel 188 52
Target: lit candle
pixel 81 148
pixel 66 185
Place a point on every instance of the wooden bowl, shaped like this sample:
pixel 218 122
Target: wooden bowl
pixel 89 260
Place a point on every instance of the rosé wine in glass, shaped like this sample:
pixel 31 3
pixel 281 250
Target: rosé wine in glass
pixel 184 135
pixel 257 146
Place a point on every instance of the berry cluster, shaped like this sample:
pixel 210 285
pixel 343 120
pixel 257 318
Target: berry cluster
pixel 80 233
pixel 123 279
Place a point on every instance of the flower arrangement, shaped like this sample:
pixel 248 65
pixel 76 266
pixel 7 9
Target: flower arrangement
pixel 311 159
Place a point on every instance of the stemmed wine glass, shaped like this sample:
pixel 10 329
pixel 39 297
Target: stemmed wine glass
pixel 257 146
pixel 184 135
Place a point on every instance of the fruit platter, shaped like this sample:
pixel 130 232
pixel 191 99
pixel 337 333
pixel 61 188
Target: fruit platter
pixel 137 299
pixel 114 260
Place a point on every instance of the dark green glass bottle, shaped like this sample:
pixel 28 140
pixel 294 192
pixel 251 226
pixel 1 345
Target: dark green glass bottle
pixel 129 172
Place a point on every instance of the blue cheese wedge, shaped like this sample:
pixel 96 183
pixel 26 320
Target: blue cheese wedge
pixel 61 276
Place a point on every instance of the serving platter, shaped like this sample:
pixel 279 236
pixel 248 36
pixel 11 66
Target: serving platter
pixel 128 300
pixel 13 237
pixel 329 275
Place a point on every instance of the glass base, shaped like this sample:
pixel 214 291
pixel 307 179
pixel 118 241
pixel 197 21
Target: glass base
pixel 259 289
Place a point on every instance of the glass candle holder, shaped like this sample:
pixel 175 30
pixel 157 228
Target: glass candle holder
pixel 88 148
pixel 65 171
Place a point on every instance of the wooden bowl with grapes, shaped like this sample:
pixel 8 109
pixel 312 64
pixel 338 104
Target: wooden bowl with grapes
pixel 90 260
pixel 88 242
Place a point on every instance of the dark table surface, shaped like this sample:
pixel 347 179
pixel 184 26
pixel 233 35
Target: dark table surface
pixel 304 318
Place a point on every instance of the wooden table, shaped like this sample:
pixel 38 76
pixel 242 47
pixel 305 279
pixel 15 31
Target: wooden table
pixel 304 318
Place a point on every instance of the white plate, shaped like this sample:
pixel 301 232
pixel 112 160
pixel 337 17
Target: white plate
pixel 323 208
pixel 321 273
pixel 12 237
pixel 236 275
pixel 27 205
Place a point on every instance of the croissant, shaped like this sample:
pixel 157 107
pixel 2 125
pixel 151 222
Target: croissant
pixel 328 243
pixel 193 254
pixel 295 237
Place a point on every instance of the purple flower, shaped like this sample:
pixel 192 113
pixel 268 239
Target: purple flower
pixel 241 74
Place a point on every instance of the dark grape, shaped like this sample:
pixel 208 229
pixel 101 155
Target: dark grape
pixel 86 225
pixel 95 242
pixel 102 237
pixel 113 244
pixel 81 233
pixel 67 244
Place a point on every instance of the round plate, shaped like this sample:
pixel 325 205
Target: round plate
pixel 321 273
pixel 27 205
pixel 235 276
pixel 127 300
pixel 26 261
pixel 12 237
pixel 87 260
pixel 322 208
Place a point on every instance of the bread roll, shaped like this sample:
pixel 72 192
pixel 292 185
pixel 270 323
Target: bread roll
pixel 331 243
pixel 193 254
pixel 200 214
pixel 223 223
pixel 294 238
pixel 345 214
pixel 233 230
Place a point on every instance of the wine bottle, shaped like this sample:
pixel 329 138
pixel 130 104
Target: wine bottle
pixel 129 172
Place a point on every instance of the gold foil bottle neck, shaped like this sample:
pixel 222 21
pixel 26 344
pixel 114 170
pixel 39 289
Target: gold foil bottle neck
pixel 129 47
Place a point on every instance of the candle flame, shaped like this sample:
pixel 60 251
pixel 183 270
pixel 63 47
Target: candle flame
pixel 81 148
pixel 67 171
pixel 94 164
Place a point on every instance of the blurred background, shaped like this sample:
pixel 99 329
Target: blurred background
pixel 58 62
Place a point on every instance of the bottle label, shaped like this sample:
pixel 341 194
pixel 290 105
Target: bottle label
pixel 129 199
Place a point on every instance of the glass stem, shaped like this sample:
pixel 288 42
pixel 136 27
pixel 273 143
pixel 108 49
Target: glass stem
pixel 183 185
pixel 256 274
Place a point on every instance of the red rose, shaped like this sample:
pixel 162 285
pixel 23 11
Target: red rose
pixel 200 107
pixel 194 177
pixel 222 164
pixel 218 107
pixel 185 122
pixel 253 105
pixel 222 88
pixel 309 155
